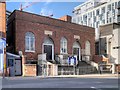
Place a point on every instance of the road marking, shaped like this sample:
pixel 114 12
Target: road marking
pixel 99 82
pixel 92 87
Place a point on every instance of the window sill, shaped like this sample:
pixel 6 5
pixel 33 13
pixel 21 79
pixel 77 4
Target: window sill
pixel 29 51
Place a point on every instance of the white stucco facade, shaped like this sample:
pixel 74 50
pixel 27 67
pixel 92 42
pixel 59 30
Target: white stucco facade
pixel 94 13
pixel 115 47
pixel 111 46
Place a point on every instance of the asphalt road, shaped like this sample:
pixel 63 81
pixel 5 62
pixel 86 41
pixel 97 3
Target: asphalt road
pixel 34 82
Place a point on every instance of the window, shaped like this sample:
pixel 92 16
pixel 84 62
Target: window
pixel 109 7
pixel 116 5
pixel 94 19
pixel 103 10
pixel 112 6
pixel 29 42
pixel 110 20
pixel 63 45
pixel 97 12
pixel 90 14
pixel 103 21
pixel 87 48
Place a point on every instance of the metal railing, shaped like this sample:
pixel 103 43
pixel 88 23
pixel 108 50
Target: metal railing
pixel 86 70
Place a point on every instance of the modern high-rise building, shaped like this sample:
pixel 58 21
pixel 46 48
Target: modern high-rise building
pixel 94 13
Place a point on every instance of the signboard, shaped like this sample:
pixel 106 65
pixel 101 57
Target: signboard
pixel 48 32
pixel 72 60
pixel 76 37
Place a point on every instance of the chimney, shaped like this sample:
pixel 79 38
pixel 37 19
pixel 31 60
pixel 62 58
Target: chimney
pixel 66 18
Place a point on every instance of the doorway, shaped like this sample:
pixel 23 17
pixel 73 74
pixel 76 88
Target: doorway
pixel 76 50
pixel 48 48
pixel 48 51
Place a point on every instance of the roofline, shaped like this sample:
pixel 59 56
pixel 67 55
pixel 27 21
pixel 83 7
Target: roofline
pixel 51 18
pixel 13 55
pixel 110 24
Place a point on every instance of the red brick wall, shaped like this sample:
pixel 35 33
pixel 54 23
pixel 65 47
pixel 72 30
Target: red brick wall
pixel 30 70
pixel 66 18
pixel 25 22
pixel 97 58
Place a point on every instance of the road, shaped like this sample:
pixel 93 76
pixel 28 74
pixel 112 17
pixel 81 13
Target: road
pixel 37 82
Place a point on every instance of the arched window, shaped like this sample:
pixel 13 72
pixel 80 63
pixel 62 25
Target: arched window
pixel 63 45
pixel 87 48
pixel 29 42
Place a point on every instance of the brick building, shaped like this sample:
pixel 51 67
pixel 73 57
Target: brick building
pixel 34 34
pixel 2 19
pixel 2 36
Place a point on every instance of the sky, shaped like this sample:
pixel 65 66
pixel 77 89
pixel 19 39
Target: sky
pixel 58 9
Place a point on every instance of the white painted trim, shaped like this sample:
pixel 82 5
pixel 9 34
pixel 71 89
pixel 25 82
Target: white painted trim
pixel 79 51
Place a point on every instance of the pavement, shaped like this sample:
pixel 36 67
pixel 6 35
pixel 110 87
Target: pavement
pixel 88 76
pixel 68 76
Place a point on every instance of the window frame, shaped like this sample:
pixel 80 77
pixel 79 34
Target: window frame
pixel 29 42
pixel 63 45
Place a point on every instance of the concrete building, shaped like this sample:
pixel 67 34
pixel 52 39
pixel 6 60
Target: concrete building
pixel 94 13
pixel 33 35
pixel 110 44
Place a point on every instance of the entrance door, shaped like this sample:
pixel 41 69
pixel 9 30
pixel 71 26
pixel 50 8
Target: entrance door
pixel 76 52
pixel 48 51
pixel 18 68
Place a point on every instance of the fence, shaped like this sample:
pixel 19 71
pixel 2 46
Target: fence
pixel 72 70
pixel 66 70
pixel 86 70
